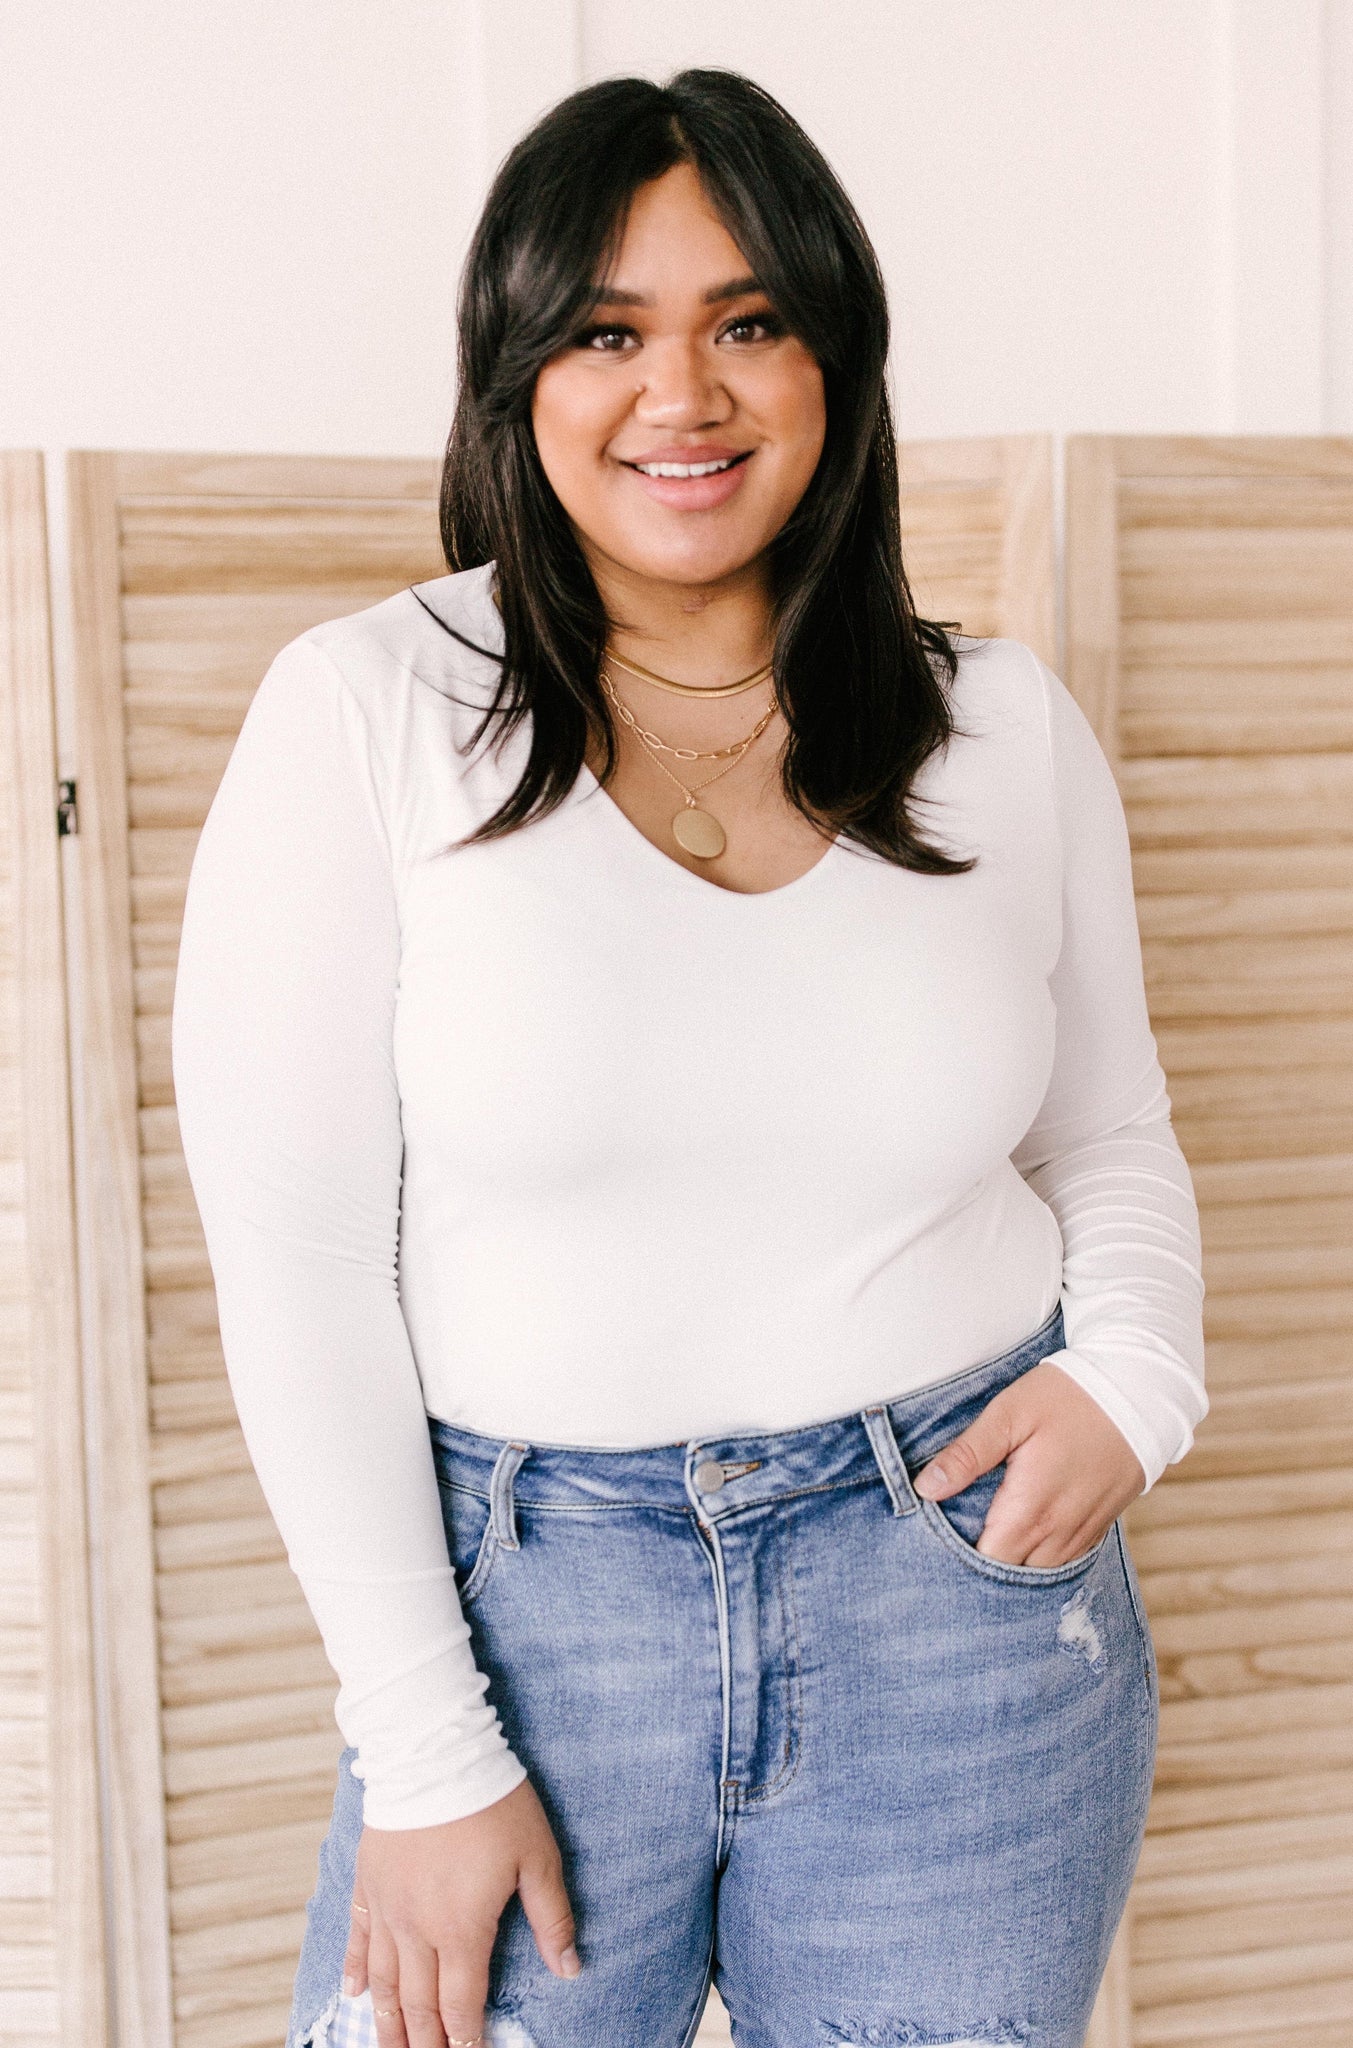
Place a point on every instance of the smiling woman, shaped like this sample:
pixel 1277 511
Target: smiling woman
pixel 668 279
pixel 700 1261
pixel 700 401
pixel 730 404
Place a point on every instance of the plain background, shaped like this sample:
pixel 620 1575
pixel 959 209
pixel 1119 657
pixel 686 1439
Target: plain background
pixel 238 225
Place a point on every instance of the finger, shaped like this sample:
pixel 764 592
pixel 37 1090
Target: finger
pixel 383 1984
pixel 1068 1543
pixel 359 1940
pixel 983 1443
pixel 1017 1533
pixel 1039 1524
pixel 462 1990
pixel 545 1904
pixel 418 1986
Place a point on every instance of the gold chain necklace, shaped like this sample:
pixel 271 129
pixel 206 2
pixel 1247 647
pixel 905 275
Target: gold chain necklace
pixel 647 675
pixel 652 739
pixel 696 831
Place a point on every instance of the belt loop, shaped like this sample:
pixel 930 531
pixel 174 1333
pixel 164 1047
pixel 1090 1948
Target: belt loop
pixel 878 1425
pixel 502 1512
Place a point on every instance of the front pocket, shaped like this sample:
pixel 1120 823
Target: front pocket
pixel 959 1520
pixel 470 1541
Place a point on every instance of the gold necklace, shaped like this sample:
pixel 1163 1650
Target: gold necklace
pixel 647 675
pixel 696 831
pixel 652 739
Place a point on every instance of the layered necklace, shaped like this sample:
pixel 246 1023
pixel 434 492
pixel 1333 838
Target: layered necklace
pixel 695 830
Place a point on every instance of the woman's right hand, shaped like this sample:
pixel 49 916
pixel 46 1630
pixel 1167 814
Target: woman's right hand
pixel 425 1909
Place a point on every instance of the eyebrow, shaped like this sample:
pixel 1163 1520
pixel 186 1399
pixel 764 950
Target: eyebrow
pixel 736 288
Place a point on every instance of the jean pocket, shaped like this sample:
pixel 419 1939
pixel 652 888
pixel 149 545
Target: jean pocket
pixel 470 1541
pixel 959 1521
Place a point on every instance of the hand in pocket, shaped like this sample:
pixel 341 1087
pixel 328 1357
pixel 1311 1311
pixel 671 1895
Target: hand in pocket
pixel 1069 1470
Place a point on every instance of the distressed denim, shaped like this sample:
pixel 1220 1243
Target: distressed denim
pixel 794 1733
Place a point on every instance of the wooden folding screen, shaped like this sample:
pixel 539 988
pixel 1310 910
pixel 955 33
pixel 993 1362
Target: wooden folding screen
pixel 1210 638
pixel 51 1930
pixel 977 534
pixel 189 573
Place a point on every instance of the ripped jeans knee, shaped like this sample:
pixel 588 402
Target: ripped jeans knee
pixel 984 2033
pixel 351 2023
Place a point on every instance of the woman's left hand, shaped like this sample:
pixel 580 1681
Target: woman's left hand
pixel 1069 1471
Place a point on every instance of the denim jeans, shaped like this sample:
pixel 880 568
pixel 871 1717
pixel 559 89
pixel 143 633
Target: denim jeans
pixel 794 1733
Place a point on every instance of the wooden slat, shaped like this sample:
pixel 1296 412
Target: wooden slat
pixel 112 1262
pixel 1247 458
pixel 51 1922
pixel 1210 640
pixel 978 535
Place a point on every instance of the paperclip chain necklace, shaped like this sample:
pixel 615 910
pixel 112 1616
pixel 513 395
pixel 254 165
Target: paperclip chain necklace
pixel 696 831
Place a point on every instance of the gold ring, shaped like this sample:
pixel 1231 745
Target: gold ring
pixel 385 2012
pixel 363 1909
pixel 453 2042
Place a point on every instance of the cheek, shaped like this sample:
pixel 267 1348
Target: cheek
pixel 573 420
pixel 811 412
pixel 793 407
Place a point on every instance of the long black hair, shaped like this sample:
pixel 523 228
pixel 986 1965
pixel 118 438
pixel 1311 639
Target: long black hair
pixel 862 682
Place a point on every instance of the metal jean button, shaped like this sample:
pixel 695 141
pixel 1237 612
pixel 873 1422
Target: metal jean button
pixel 709 1476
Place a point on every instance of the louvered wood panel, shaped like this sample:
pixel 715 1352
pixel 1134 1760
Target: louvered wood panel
pixel 1210 638
pixel 190 572
pixel 978 536
pixel 51 1934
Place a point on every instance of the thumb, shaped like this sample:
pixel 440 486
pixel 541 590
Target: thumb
pixel 545 1904
pixel 984 1443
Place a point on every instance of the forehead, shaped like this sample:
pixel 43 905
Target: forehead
pixel 673 240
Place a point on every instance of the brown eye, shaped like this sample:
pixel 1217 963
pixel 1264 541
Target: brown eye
pixel 605 340
pixel 751 327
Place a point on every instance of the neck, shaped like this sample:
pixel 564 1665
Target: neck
pixel 703 634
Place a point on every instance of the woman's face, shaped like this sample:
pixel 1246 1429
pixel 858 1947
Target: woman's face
pixel 683 368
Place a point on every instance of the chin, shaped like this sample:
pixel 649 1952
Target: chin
pixel 687 575
pixel 694 565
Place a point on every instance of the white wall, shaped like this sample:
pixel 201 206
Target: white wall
pixel 1338 213
pixel 1014 163
pixel 238 225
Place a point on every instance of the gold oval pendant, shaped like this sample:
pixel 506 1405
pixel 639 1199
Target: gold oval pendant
pixel 698 833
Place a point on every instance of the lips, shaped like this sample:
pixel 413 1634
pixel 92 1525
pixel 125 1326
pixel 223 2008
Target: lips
pixel 689 479
pixel 708 466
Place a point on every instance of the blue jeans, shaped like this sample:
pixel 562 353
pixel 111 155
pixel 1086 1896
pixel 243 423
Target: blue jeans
pixel 796 1733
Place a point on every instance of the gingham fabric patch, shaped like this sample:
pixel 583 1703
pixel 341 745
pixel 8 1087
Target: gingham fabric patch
pixel 353 2025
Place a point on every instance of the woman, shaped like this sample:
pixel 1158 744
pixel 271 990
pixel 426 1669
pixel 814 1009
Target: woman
pixel 719 991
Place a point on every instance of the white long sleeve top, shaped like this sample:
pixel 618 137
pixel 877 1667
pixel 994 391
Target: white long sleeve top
pixel 554 1139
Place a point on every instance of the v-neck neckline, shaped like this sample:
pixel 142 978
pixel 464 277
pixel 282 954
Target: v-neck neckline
pixel 591 788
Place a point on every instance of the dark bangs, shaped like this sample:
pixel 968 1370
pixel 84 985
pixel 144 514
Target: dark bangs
pixel 862 682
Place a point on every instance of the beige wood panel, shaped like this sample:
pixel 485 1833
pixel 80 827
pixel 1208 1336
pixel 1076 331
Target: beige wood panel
pixel 1210 639
pixel 51 1907
pixel 189 573
pixel 977 534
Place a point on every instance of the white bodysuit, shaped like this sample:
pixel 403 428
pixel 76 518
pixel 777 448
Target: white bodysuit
pixel 554 1139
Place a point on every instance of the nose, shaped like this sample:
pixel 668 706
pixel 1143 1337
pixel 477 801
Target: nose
pixel 680 387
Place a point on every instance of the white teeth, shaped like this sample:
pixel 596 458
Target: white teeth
pixel 684 468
